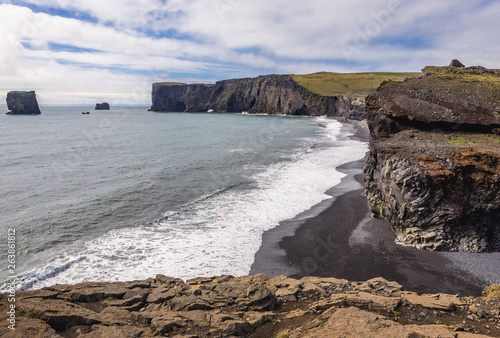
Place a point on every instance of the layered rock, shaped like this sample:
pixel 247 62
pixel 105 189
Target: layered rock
pixel 22 103
pixel 434 165
pixel 269 94
pixel 249 306
pixel 102 106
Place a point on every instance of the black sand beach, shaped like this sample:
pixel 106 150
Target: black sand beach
pixel 339 238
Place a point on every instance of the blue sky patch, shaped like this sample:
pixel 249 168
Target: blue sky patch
pixel 65 13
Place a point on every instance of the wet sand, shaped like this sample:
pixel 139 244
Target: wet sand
pixel 339 238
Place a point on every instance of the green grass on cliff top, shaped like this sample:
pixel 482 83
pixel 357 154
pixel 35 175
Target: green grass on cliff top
pixel 352 84
pixel 466 75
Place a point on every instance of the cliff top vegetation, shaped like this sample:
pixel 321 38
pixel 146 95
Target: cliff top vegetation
pixel 352 84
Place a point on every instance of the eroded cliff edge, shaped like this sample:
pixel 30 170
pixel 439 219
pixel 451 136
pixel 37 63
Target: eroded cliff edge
pixel 434 164
pixel 268 94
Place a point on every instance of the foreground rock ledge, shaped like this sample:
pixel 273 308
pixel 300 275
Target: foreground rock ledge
pixel 250 306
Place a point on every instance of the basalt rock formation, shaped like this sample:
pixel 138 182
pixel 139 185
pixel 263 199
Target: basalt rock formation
pixel 22 103
pixel 269 94
pixel 102 106
pixel 434 165
pixel 249 306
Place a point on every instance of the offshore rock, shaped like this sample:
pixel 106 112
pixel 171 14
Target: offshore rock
pixel 102 106
pixel 268 94
pixel 22 103
pixel 434 165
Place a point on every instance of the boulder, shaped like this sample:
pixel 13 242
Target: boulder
pixel 360 299
pixel 93 292
pixel 99 331
pixel 115 316
pixel 22 103
pixel 353 322
pixel 167 322
pixel 189 304
pixel 438 301
pixel 261 297
pixel 160 295
pixel 59 314
pixel 456 63
pixel 28 327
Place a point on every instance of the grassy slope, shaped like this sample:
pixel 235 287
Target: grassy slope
pixel 352 84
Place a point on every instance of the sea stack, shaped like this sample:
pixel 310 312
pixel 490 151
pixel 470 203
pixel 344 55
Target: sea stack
pixel 22 103
pixel 102 106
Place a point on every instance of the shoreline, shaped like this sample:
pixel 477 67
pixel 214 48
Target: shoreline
pixel 339 238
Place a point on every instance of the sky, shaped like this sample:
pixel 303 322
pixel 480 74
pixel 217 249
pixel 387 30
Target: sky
pixel 88 51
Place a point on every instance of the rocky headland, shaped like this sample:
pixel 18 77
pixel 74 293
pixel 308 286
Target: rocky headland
pixel 22 103
pixel 249 306
pixel 268 94
pixel 434 165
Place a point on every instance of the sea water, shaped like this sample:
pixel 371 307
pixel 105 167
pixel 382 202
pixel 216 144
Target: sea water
pixel 127 194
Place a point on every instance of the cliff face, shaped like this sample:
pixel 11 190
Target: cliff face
pixel 434 165
pixel 269 94
pixel 22 103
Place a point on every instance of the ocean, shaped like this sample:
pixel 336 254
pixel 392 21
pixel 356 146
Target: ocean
pixel 127 194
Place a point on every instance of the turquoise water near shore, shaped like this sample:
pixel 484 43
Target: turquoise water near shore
pixel 126 194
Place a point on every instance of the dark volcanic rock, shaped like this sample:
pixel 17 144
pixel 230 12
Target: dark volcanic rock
pixel 102 106
pixel 434 164
pixel 22 103
pixel 269 94
pixel 456 63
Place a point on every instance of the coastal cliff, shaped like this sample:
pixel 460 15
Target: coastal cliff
pixel 22 103
pixel 248 306
pixel 434 165
pixel 269 94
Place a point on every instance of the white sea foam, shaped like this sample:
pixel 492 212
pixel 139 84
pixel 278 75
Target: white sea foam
pixel 213 236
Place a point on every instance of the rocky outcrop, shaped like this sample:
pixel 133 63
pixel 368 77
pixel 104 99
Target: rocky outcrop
pixel 434 165
pixel 22 103
pixel 102 106
pixel 249 306
pixel 269 94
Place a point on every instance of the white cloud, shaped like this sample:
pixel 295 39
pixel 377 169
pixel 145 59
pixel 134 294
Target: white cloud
pixel 125 41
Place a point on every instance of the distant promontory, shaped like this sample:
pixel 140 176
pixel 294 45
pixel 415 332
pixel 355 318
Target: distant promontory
pixel 269 94
pixel 22 103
